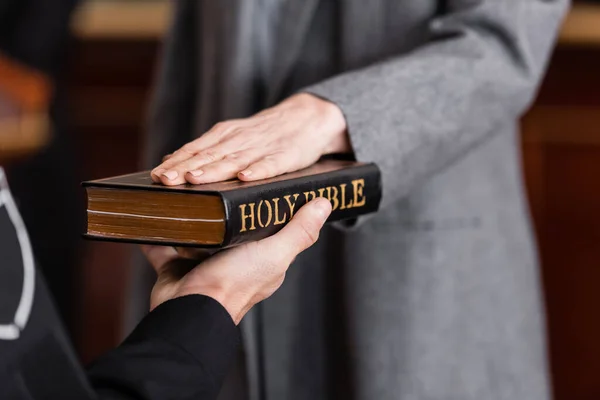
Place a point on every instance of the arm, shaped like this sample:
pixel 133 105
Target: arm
pixel 183 348
pixel 180 350
pixel 414 114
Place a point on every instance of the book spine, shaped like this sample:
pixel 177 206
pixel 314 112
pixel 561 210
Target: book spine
pixel 258 212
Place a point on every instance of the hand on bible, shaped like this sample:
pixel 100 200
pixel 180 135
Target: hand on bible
pixel 240 277
pixel 285 138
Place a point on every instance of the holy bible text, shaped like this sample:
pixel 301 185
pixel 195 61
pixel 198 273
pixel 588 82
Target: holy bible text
pixel 132 208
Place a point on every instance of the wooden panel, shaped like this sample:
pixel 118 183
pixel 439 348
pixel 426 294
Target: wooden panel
pixel 150 20
pixel 582 27
pixel 107 266
pixel 122 19
pixel 571 257
pixel 105 279
pixel 572 78
pixel 563 125
pixel 561 146
pixel 109 92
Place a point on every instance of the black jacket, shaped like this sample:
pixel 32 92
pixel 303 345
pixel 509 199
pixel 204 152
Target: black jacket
pixel 181 350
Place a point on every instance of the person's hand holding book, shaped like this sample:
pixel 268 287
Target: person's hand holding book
pixel 240 277
pixel 287 137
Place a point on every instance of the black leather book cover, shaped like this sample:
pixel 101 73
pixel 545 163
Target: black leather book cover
pixel 256 210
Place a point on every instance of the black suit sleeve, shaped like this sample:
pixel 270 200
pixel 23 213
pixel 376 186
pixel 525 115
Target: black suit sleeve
pixel 181 350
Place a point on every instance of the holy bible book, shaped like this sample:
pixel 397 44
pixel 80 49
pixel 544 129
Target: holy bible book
pixel 132 208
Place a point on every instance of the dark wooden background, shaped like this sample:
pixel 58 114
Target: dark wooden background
pixel 109 89
pixel 561 143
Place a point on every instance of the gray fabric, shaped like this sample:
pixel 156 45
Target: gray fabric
pixel 267 14
pixel 438 295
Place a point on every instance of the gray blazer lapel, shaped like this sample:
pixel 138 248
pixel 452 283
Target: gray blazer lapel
pixel 296 18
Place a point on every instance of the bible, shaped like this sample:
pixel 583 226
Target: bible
pixel 132 208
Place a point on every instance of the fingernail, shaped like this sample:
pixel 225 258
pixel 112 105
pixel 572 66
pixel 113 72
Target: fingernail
pixel 246 173
pixel 323 207
pixel 170 175
pixel 197 172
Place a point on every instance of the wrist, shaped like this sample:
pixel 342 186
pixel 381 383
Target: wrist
pixel 234 303
pixel 332 123
pixel 337 129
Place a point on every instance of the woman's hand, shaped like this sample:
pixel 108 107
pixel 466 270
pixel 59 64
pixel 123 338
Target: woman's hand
pixel 287 137
pixel 240 277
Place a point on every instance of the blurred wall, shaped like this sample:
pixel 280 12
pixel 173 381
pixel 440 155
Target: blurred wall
pixel 34 35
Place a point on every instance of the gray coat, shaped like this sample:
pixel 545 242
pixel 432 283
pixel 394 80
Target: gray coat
pixel 438 295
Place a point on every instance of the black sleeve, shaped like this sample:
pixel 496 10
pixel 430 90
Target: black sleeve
pixel 181 350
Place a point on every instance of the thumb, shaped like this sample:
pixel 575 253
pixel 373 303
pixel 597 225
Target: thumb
pixel 300 233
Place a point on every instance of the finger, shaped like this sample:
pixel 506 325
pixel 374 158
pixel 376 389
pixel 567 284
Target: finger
pixel 175 158
pixel 209 139
pixel 299 234
pixel 268 167
pixel 224 169
pixel 159 256
pixel 235 149
pixel 153 174
pixel 176 175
